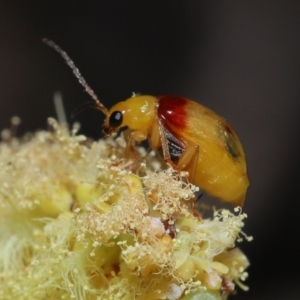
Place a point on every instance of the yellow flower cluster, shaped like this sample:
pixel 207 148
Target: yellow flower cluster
pixel 78 221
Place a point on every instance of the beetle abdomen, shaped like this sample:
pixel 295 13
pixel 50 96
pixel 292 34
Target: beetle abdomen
pixel 220 164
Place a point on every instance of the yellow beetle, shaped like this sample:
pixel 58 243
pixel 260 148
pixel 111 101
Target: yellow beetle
pixel 192 137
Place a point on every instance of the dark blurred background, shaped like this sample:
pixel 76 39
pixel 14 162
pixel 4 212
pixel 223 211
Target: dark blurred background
pixel 240 58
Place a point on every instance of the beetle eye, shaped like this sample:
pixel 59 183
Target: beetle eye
pixel 115 119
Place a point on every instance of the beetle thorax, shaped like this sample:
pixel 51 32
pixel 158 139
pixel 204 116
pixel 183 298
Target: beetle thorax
pixel 138 112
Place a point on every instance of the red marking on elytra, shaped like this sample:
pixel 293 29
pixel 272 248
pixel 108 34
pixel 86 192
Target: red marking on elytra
pixel 171 110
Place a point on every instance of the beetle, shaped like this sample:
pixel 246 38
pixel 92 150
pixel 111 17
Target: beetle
pixel 191 137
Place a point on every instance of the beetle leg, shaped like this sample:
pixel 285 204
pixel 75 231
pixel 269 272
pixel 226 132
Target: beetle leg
pixel 130 151
pixel 188 161
pixel 132 137
pixel 164 146
pixel 155 136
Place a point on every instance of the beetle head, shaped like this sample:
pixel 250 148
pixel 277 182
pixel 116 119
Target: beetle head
pixel 137 113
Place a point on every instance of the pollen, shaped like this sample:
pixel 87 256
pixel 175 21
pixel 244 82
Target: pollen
pixel 80 221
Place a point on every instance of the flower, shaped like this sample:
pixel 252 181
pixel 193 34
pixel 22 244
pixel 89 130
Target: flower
pixel 79 221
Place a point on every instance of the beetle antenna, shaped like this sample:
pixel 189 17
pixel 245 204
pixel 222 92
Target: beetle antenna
pixel 76 72
pixel 82 107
